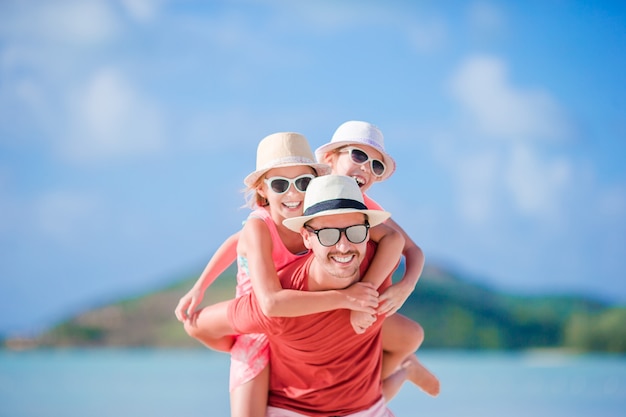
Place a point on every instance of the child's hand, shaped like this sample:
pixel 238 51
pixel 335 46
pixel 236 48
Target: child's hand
pixel 188 304
pixel 361 296
pixel 361 321
pixel 393 298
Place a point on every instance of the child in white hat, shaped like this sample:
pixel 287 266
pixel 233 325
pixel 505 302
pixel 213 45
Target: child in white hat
pixel 285 166
pixel 357 150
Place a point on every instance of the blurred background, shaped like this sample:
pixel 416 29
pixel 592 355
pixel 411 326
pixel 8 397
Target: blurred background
pixel 127 127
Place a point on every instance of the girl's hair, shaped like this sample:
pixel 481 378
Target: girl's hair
pixel 329 155
pixel 254 199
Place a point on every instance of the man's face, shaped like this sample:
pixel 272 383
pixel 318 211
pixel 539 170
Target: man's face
pixel 341 260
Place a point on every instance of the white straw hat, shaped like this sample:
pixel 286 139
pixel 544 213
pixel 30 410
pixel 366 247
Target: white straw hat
pixel 283 149
pixel 334 194
pixel 355 132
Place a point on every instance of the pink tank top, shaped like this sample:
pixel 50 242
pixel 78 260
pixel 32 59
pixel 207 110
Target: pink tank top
pixel 281 256
pixel 370 203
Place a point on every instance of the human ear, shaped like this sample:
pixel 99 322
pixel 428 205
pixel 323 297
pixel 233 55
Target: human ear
pixel 260 191
pixel 306 238
pixel 328 158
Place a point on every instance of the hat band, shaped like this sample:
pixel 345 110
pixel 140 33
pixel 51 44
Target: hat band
pixel 288 160
pixel 366 141
pixel 338 203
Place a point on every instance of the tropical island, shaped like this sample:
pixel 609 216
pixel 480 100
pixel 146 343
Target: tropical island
pixel 456 313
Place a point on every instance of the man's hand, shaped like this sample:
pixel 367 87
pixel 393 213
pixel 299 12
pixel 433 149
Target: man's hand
pixel 361 296
pixel 393 298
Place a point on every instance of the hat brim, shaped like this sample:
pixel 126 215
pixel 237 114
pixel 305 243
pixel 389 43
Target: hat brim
pixel 390 163
pixel 251 179
pixel 374 217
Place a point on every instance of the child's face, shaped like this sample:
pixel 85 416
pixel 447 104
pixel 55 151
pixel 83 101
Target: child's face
pixel 289 203
pixel 342 164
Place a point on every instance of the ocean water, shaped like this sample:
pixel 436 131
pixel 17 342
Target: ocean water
pixel 194 383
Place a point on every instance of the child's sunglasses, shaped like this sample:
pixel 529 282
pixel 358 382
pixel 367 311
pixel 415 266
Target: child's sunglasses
pixel 280 185
pixel 360 157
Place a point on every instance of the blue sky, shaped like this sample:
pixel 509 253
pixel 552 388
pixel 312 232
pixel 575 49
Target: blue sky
pixel 127 127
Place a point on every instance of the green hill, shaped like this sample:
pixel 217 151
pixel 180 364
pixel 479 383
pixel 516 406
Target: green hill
pixel 458 314
pixel 454 312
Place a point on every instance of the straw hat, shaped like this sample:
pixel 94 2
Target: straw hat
pixel 334 194
pixel 283 149
pixel 355 132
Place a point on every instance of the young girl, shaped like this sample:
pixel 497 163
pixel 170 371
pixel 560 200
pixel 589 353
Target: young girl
pixel 357 150
pixel 285 165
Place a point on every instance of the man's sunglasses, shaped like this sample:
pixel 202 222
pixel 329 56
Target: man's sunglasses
pixel 280 185
pixel 329 236
pixel 360 157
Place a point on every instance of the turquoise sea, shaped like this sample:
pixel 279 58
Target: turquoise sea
pixel 194 383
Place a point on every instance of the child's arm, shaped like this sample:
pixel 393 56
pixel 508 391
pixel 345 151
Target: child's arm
pixel 385 261
pixel 222 259
pixel 388 252
pixel 256 245
pixel 395 296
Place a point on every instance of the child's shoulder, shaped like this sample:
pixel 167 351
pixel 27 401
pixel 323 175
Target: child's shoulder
pixel 371 203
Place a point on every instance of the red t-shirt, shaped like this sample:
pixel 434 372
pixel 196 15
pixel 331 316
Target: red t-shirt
pixel 319 366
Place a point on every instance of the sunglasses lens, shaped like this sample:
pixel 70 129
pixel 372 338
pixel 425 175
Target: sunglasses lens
pixel 356 233
pixel 358 156
pixel 328 237
pixel 378 168
pixel 279 186
pixel 302 183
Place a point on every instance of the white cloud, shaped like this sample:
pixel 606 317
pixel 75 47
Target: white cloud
pixel 517 174
pixel 486 17
pixel 23 107
pixel 612 202
pixel 142 10
pixel 330 16
pixel 109 118
pixel 536 185
pixel 506 182
pixel 75 22
pixel 498 108
pixel 428 35
pixel 476 176
pixel 64 215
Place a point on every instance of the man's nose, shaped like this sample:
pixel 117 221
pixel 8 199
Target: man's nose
pixel 343 244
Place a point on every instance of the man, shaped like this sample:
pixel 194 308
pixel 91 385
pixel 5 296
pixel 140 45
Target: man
pixel 319 366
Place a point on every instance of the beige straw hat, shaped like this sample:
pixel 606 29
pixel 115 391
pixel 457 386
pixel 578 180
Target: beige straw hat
pixel 283 149
pixel 334 194
pixel 357 133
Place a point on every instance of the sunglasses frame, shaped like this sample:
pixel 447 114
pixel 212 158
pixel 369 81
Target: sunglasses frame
pixel 350 149
pixel 342 230
pixel 290 182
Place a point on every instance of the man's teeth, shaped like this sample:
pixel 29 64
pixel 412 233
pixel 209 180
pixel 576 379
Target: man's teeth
pixel 292 205
pixel 343 259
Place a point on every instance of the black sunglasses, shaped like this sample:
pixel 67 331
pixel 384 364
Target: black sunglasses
pixel 329 236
